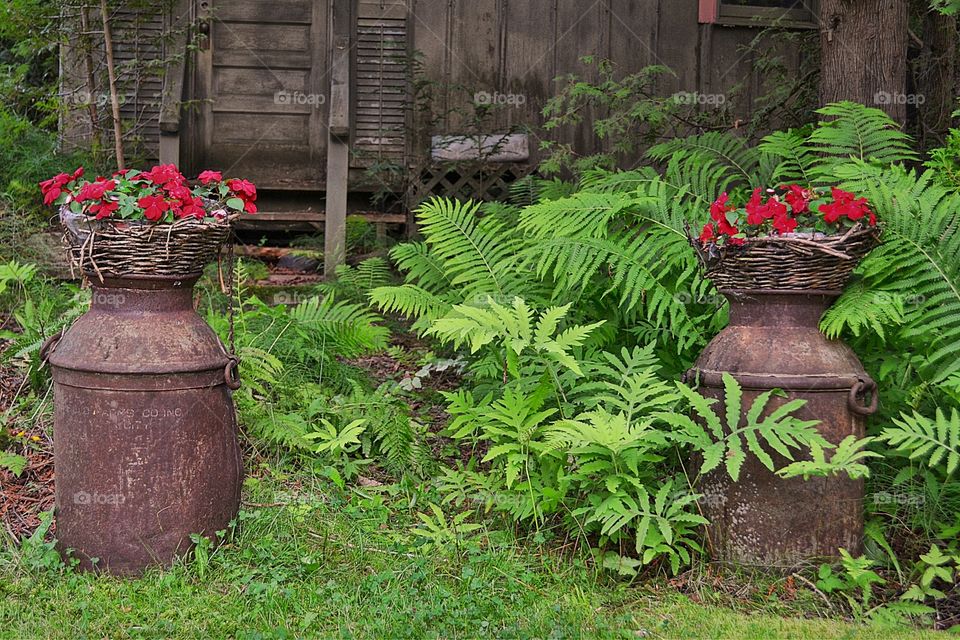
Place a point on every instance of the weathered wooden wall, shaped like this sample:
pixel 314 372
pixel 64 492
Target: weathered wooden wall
pixel 140 34
pixel 514 49
pixel 519 48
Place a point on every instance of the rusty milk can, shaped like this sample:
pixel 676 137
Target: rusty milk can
pixel 773 341
pixel 145 430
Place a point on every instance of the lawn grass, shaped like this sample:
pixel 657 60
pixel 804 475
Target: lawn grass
pixel 311 560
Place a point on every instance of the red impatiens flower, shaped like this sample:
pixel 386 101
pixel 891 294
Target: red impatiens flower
pixel 178 191
pixel 727 229
pixel 784 223
pixel 246 191
pixel 708 234
pixel 95 190
pixel 54 187
pixel 719 209
pixel 104 208
pixel 153 207
pixel 845 204
pixel 243 188
pixel 164 174
pixel 192 207
pixel 798 198
pixel 756 212
pixel 206 177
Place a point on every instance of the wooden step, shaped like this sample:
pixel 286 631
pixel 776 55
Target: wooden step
pixel 315 219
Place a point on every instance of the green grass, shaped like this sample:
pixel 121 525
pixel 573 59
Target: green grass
pixel 320 562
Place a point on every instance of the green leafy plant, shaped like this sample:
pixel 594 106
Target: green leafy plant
pixel 728 438
pixel 848 458
pixel 935 442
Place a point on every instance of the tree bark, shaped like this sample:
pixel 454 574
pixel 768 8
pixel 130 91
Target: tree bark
pixel 935 72
pixel 112 78
pixel 864 53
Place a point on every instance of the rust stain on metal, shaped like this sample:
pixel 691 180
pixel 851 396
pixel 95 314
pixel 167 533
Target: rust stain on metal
pixel 145 442
pixel 773 341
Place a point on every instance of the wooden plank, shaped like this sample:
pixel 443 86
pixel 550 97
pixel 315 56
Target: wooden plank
pixel 253 81
pixel 261 37
pixel 475 57
pixel 579 33
pixel 430 22
pixel 338 148
pixel 527 67
pixel 340 88
pixel 633 33
pixel 677 45
pixel 169 152
pixel 260 12
pixel 724 66
pixel 284 128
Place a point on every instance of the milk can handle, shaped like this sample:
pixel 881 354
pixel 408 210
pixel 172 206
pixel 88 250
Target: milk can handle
pixel 49 345
pixel 231 373
pixel 864 386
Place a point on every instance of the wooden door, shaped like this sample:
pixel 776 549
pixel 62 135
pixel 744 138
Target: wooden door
pixel 263 81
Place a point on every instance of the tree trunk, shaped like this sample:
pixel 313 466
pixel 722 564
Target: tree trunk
pixel 935 71
pixel 864 53
pixel 112 77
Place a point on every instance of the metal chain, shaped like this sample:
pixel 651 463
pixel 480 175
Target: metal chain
pixel 230 276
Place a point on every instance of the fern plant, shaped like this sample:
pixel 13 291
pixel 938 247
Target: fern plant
pixel 728 438
pixel 918 266
pixel 514 333
pixel 354 283
pixel 934 441
pixel 464 258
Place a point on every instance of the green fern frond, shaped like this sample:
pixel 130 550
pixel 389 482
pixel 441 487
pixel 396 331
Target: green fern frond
pixel 935 441
pixel 355 282
pixel 348 329
pixel 848 458
pixel 478 255
pixel 583 214
pixel 860 308
pixel 739 160
pixel 727 439
pixel 851 130
pixel 416 261
pixel 797 160
pixel 411 301
pixel 918 264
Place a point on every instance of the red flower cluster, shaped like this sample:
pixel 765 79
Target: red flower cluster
pixel 847 205
pixel 160 194
pixel 244 190
pixel 56 186
pixel 718 213
pixel 785 210
pixel 759 212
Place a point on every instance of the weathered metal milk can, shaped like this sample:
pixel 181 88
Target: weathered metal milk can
pixel 145 434
pixel 145 431
pixel 778 284
pixel 773 342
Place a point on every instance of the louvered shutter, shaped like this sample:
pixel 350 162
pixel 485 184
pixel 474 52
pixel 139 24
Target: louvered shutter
pixel 138 51
pixel 382 81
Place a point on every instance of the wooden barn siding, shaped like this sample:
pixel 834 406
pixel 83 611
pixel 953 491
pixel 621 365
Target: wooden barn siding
pixel 521 47
pixel 514 47
pixel 139 38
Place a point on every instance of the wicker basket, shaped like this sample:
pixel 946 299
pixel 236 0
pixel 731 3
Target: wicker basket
pixel 116 248
pixel 791 262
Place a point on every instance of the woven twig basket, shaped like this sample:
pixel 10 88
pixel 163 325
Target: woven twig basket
pixel 791 262
pixel 117 248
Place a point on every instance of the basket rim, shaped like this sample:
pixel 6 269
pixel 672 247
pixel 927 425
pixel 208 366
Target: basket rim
pixel 815 244
pixel 122 223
